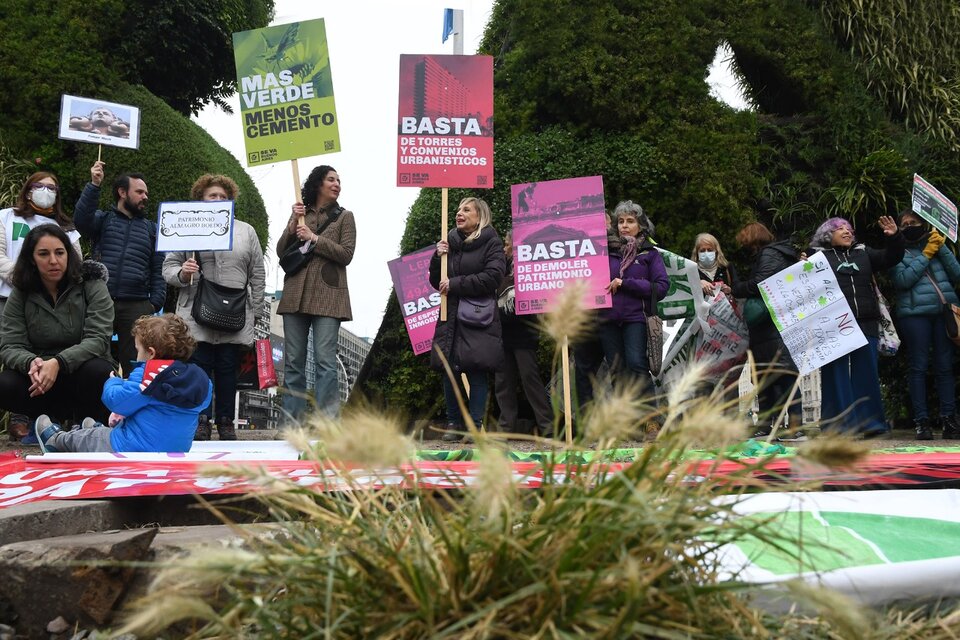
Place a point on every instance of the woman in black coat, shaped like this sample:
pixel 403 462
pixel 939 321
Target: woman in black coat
pixel 471 345
pixel 778 371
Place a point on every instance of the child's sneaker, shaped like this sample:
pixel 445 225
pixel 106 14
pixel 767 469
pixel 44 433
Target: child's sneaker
pixel 44 429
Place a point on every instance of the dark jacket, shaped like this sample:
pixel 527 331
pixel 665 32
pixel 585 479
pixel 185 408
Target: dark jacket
pixel 474 270
pixel 160 402
pixel 854 268
pixel 518 332
pixel 915 293
pixel 771 259
pixel 643 280
pixel 77 328
pixel 727 275
pixel 126 246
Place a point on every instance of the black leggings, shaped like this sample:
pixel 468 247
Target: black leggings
pixel 73 396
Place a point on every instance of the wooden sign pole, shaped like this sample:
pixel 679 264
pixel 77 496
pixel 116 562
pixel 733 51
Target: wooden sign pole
pixel 443 259
pixel 296 184
pixel 567 404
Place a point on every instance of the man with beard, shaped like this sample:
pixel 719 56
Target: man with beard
pixel 124 240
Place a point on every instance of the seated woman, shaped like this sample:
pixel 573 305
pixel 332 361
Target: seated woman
pixel 56 329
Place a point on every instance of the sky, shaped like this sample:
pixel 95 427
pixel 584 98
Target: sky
pixel 366 39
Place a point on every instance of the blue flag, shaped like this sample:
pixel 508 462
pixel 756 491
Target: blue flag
pixel 447 24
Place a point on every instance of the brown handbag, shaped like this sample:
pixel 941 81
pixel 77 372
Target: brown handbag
pixel 951 313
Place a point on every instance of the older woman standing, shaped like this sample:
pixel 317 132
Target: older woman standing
pixel 850 396
pixel 316 298
pixel 218 352
pixel 638 281
pixel 924 280
pixel 475 267
pixel 55 336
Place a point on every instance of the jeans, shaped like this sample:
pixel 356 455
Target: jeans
pixel 326 332
pixel 777 375
pixel 919 333
pixel 851 386
pixel 476 404
pixel 625 348
pixel 222 363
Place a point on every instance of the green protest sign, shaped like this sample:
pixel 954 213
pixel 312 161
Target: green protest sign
pixel 934 207
pixel 286 92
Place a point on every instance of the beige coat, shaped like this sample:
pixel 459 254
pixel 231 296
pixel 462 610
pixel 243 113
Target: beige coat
pixel 320 288
pixel 242 266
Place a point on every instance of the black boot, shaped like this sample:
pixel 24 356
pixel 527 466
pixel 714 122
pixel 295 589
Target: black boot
pixel 204 430
pixel 924 432
pixel 225 429
pixel 951 427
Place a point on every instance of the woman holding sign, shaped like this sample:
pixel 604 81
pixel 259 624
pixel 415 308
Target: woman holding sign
pixel 928 271
pixel 469 339
pixel 850 385
pixel 218 352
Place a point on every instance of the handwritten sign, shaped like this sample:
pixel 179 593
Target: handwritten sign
pixel 811 313
pixel 934 207
pixel 419 301
pixel 195 226
pixel 724 340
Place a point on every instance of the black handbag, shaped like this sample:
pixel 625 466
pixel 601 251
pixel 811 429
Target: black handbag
pixel 293 259
pixel 218 307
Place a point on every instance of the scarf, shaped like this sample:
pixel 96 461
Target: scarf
pixel 628 253
pixel 43 212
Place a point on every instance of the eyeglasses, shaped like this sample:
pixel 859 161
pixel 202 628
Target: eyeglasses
pixel 41 185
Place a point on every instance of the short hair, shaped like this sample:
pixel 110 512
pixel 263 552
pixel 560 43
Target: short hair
pixel 168 335
pixel 310 188
pixel 26 276
pixel 823 236
pixel 486 217
pixel 710 239
pixel 122 181
pixel 23 209
pixel 208 180
pixel 629 207
pixel 754 235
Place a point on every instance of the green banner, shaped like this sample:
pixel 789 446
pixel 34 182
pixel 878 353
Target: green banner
pixel 286 92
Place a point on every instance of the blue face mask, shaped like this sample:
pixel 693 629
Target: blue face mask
pixel 708 258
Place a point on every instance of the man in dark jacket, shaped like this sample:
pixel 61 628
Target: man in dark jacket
pixel 124 240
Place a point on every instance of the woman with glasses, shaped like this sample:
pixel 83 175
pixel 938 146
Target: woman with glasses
pixel 38 202
pixel 924 280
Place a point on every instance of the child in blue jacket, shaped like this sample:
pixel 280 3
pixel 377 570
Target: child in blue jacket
pixel 155 409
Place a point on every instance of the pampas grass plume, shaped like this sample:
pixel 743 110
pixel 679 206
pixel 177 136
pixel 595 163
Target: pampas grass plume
pixel 569 319
pixel 616 412
pixel 834 451
pixel 363 436
pixel 494 491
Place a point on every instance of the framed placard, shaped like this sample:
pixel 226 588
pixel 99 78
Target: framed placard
pixel 99 122
pixel 195 226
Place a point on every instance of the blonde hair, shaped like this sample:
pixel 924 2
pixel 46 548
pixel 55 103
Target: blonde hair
pixel 708 238
pixel 486 217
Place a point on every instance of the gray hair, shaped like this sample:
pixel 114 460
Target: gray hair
pixel 629 207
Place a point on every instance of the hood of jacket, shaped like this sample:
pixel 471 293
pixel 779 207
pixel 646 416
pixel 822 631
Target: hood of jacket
pixel 174 382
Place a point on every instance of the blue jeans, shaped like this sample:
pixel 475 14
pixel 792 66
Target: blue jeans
pixel 851 386
pixel 296 332
pixel 478 397
pixel 919 333
pixel 625 350
pixel 222 363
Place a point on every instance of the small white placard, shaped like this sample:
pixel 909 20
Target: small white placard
pixel 195 226
pixel 99 122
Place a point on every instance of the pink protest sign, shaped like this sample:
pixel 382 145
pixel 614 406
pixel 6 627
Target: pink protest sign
pixel 559 237
pixel 419 302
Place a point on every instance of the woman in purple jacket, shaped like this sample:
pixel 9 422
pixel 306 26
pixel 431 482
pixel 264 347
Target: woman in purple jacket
pixel 638 277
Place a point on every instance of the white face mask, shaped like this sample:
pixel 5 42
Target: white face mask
pixel 708 258
pixel 43 198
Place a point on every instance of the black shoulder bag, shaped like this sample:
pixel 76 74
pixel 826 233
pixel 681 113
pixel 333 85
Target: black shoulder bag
pixel 293 259
pixel 218 307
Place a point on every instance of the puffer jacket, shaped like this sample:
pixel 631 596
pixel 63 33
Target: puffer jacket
pixel 645 278
pixel 915 294
pixel 74 329
pixel 854 268
pixel 474 270
pixel 239 268
pixel 771 259
pixel 126 246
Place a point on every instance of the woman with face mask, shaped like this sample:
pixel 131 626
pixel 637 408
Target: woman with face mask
pixel 716 274
pixel 928 270
pixel 38 202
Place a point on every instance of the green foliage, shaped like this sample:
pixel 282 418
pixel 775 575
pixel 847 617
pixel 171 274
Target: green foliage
pixel 13 173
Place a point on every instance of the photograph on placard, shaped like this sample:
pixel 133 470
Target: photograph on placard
pixel 99 122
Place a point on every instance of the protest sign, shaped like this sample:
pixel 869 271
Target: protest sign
pixel 934 207
pixel 811 313
pixel 419 302
pixel 724 339
pixel 286 92
pixel 99 122
pixel 445 124
pixel 195 226
pixel 559 237
pixel 684 314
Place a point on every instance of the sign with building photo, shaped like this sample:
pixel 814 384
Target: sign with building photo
pixel 934 207
pixel 195 226
pixel 419 301
pixel 445 123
